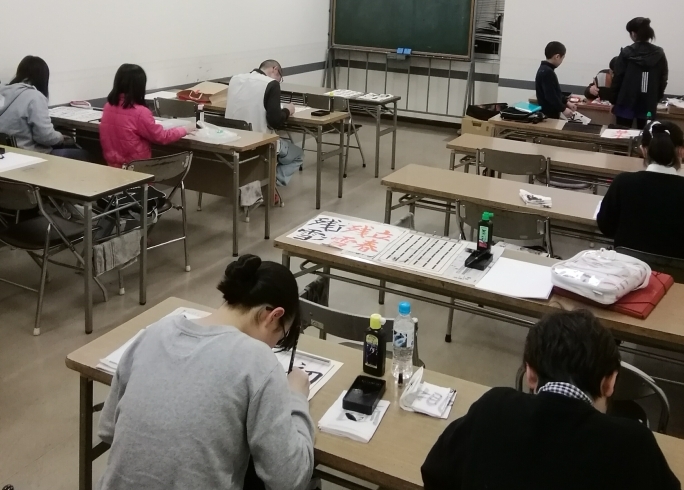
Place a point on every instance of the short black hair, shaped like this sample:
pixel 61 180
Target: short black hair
pixel 250 282
pixel 661 140
pixel 572 347
pixel 130 81
pixel 613 63
pixel 641 27
pixel 271 64
pixel 34 71
pixel 554 48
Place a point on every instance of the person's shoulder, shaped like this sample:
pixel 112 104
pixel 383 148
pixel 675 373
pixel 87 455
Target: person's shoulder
pixel 498 396
pixel 621 430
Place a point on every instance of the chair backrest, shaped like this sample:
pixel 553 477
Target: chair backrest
pixel 323 102
pixel 572 145
pixel 347 326
pixel 512 225
pixel 167 170
pixel 16 196
pixel 175 109
pixel 633 384
pixel 660 263
pixel 8 140
pixel 224 122
pixel 511 163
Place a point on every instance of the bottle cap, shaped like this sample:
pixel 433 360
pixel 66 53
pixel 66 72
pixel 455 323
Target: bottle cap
pixel 649 115
pixel 486 216
pixel 375 321
pixel 404 308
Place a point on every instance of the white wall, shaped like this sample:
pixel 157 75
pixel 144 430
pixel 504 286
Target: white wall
pixel 175 41
pixel 592 30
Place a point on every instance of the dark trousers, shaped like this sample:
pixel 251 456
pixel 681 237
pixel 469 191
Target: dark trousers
pixel 640 123
pixel 72 153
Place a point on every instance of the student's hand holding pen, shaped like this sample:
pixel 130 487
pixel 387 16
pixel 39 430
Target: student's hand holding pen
pixel 299 382
pixel 568 113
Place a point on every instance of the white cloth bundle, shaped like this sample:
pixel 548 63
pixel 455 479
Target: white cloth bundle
pixel 535 199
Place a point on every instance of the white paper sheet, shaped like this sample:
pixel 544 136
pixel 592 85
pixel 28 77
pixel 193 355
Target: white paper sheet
pixel 76 114
pixel 347 94
pixel 426 398
pixel 298 108
pixel 598 208
pixel 13 161
pixel 422 252
pixel 161 95
pixel 319 369
pixel 517 279
pixel 375 97
pixel 620 134
pixel 340 422
pixel 458 272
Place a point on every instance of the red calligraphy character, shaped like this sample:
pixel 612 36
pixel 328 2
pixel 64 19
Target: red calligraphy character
pixel 368 246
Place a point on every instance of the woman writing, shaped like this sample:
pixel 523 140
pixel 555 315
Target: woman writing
pixel 192 400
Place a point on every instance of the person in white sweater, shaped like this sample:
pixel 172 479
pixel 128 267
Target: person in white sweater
pixel 193 400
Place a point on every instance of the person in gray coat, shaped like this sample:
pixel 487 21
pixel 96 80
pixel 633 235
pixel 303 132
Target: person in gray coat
pixel 24 112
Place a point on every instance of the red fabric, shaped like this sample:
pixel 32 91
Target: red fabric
pixel 127 134
pixel 639 303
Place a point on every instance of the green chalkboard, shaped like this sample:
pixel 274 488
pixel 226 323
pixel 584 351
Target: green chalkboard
pixel 441 27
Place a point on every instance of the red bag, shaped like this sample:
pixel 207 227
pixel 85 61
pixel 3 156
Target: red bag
pixel 639 303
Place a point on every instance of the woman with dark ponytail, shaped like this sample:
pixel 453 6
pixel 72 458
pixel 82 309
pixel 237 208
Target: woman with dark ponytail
pixel 645 210
pixel 640 77
pixel 193 401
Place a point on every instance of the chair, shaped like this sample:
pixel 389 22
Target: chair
pixel 168 171
pixel 327 103
pixel 175 109
pixel 669 265
pixel 347 326
pixel 41 237
pixel 504 162
pixel 632 384
pixel 560 181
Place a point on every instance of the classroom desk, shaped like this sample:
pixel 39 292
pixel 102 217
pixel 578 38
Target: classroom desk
pixel 662 329
pixel 572 210
pixel 374 109
pixel 305 123
pixel 84 183
pixel 553 128
pixel 601 114
pixel 216 169
pixel 386 460
pixel 593 166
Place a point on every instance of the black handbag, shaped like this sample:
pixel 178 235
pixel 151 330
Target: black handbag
pixel 513 114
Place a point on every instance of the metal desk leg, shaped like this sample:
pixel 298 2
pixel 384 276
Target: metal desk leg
pixel 319 164
pixel 394 136
pixel 378 118
pixel 286 259
pixel 447 219
pixel 143 248
pixel 236 200
pixel 388 218
pixel 88 265
pixel 85 436
pixel 269 192
pixel 452 160
pixel 340 177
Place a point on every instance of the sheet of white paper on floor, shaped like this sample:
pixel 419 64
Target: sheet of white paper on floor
pixel 13 161
pixel 319 369
pixel 356 426
pixel 517 279
pixel 110 363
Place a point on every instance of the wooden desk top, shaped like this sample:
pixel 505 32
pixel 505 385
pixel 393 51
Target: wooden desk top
pixel 249 140
pixel 568 206
pixel 663 328
pixel 593 163
pixel 72 178
pixel 387 460
pixel 554 126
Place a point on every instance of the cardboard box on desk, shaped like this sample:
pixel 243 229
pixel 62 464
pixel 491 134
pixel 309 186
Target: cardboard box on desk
pixel 207 93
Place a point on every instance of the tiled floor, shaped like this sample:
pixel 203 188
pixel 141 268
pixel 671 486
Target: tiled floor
pixel 39 395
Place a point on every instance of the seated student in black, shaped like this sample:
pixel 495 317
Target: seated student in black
pixel 549 95
pixel 600 86
pixel 558 438
pixel 645 210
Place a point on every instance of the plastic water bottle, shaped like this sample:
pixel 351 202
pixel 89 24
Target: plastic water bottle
pixel 402 341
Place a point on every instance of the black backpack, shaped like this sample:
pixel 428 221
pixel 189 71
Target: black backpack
pixel 513 114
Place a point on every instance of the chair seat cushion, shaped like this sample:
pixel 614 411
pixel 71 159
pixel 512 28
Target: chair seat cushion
pixel 30 234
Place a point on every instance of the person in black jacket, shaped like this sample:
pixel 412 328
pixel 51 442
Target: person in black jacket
pixel 640 79
pixel 549 95
pixel 558 438
pixel 645 210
